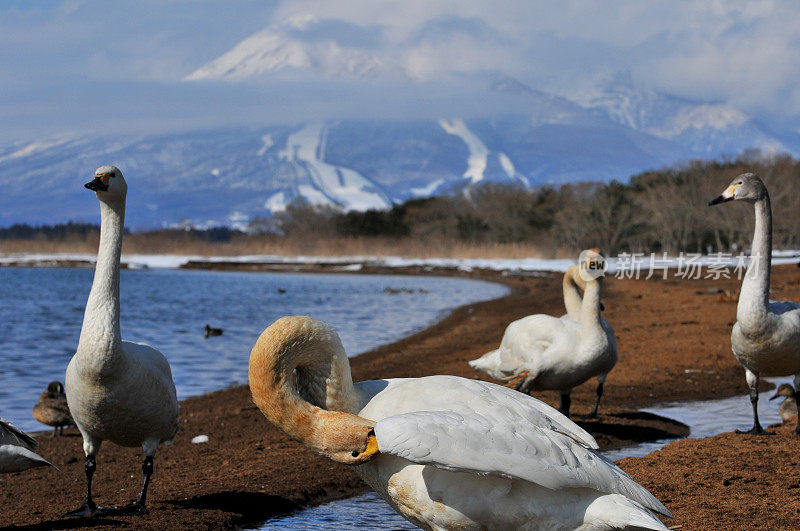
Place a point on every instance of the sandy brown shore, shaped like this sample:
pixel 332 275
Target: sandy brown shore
pixel 674 345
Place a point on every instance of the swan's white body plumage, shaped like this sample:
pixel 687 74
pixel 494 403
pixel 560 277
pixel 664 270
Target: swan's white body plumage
pixel 135 404
pixel 768 344
pixel 557 352
pixel 17 449
pixel 466 454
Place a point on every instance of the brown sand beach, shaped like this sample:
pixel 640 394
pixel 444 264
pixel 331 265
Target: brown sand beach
pixel 674 344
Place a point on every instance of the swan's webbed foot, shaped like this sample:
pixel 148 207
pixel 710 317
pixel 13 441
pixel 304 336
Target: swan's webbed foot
pixel 755 430
pixel 87 510
pixel 520 382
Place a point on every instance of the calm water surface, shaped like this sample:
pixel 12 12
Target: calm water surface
pixel 41 311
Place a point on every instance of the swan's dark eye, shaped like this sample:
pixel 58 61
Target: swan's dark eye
pixel 740 182
pixel 354 454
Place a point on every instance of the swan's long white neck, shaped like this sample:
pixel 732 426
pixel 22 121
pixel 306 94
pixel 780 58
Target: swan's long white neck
pixel 100 336
pixel 754 298
pixel 590 308
pixel 572 298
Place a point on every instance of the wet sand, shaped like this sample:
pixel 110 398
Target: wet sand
pixel 674 344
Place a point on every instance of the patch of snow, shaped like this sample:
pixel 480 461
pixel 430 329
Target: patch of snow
pixel 268 143
pixel 33 147
pixel 333 184
pixel 276 202
pixel 426 191
pixel 478 152
pixel 718 117
pixel 200 439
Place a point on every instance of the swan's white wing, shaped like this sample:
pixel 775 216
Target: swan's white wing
pixel 481 445
pixel 463 396
pixel 10 434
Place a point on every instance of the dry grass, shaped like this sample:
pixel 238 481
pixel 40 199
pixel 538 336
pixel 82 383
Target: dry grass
pixel 149 243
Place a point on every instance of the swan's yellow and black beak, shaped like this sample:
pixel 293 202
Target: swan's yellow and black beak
pixel 725 196
pixel 99 183
pixel 372 446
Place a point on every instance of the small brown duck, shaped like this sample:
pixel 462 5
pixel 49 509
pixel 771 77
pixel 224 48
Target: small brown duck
pixel 788 408
pixel 52 408
pixel 211 331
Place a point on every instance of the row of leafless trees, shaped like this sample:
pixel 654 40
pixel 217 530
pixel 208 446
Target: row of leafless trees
pixel 657 211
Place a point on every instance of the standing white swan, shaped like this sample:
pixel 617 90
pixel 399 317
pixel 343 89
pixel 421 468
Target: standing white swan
pixel 544 352
pixel 17 449
pixel 117 390
pixel 445 452
pixel 766 336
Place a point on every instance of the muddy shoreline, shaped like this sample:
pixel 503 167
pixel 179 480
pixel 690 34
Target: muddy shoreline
pixel 674 345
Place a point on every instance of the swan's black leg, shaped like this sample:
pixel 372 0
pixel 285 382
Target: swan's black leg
pixel 138 507
pixel 88 508
pixel 797 401
pixel 593 414
pixel 756 429
pixel 566 400
pixel 55 432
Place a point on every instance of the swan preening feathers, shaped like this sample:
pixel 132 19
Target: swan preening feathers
pixel 766 336
pixel 117 390
pixel 544 352
pixel 445 452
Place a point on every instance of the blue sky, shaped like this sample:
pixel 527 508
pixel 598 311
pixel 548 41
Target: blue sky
pixel 78 66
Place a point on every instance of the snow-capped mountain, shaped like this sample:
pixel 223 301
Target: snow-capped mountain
pixel 228 176
pixel 705 129
pixel 331 48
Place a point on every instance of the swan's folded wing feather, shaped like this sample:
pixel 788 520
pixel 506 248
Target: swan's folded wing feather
pixel 477 444
pixel 10 434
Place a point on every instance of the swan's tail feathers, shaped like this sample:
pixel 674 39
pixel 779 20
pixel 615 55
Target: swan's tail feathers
pixel 489 364
pixel 10 434
pixel 620 512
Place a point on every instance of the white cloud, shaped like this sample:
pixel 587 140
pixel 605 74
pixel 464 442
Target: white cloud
pixel 745 53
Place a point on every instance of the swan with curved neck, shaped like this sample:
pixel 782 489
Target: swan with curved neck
pixel 444 452
pixel 766 336
pixel 116 390
pixel 541 352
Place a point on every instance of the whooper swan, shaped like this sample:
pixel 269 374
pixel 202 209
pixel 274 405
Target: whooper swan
pixel 117 390
pixel 444 452
pixel 541 352
pixel 766 336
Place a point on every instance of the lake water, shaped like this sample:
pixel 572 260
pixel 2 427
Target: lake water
pixel 41 311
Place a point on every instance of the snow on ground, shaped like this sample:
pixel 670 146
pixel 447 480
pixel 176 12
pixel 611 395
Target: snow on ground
pixel 621 266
